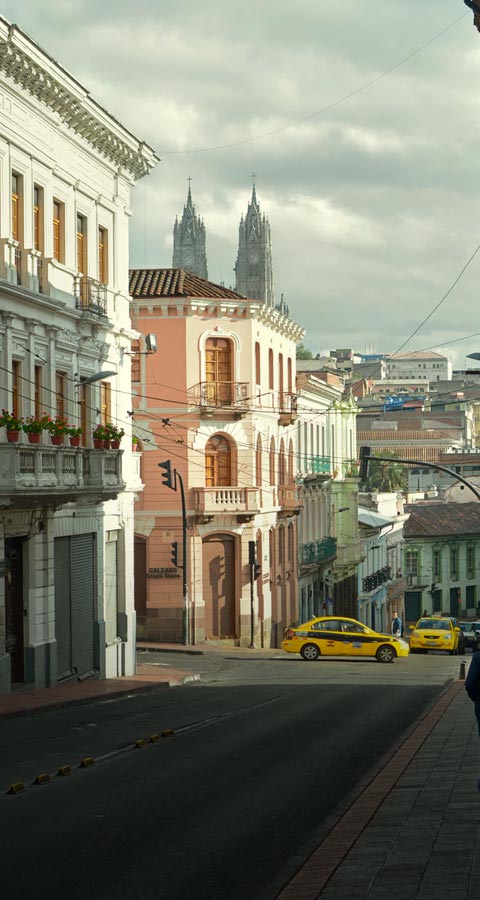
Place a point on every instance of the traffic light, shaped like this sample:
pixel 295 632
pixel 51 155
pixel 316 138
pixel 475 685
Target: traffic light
pixel 174 546
pixel 252 560
pixel 364 460
pixel 257 569
pixel 167 473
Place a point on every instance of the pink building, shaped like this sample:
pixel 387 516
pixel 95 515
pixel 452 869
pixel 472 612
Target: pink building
pixel 218 401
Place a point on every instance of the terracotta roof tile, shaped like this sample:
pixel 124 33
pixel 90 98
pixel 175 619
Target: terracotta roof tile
pixel 145 283
pixel 442 520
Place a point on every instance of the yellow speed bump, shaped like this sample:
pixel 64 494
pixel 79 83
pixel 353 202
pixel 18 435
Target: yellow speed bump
pixel 139 743
pixel 65 770
pixel 168 732
pixel 87 762
pixel 16 787
pixel 153 738
pixel 42 779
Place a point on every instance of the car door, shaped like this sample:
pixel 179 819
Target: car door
pixel 358 640
pixel 329 637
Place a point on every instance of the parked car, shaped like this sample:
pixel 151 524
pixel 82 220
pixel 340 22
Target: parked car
pixel 471 635
pixel 436 633
pixel 335 636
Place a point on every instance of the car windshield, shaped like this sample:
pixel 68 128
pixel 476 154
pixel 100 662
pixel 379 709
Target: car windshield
pixel 434 624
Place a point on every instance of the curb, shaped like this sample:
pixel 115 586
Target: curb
pixel 147 688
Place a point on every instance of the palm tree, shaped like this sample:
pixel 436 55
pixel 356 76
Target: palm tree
pixel 387 476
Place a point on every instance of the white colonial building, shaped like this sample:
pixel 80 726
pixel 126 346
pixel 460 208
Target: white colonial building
pixel 424 365
pixel 67 169
pixel 329 544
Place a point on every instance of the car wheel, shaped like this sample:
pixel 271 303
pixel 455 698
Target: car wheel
pixel 385 654
pixel 310 652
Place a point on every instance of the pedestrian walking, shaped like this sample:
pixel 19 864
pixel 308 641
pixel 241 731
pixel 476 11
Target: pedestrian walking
pixel 396 625
pixel 472 685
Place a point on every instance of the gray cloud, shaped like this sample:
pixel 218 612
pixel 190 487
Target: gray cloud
pixel 373 204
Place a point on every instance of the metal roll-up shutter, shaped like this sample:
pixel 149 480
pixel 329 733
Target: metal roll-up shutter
pixel 63 625
pixel 82 574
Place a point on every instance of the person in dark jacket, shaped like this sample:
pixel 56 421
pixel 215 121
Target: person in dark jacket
pixel 472 685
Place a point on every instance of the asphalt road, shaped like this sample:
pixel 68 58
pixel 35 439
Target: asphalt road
pixel 263 752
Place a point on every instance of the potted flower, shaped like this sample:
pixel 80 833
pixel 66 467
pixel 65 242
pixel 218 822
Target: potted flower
pixel 135 443
pixel 12 425
pixel 75 435
pixel 114 435
pixel 58 428
pixel 99 435
pixel 34 427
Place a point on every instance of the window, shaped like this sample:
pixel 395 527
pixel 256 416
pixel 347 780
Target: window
pixel 218 462
pixel 81 244
pixel 280 544
pixel 453 563
pixel 105 402
pixel 280 378
pixel 16 388
pixel 282 475
pixel 38 381
pixel 470 561
pixel 411 562
pixel 272 462
pixel 16 206
pixel 60 381
pixel 289 375
pixel 270 370
pixel 290 542
pixel 436 565
pixel 37 218
pixel 258 368
pixel 58 231
pixel 103 256
pixel 258 462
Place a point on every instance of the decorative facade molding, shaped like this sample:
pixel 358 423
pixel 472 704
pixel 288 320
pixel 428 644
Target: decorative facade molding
pixel 35 72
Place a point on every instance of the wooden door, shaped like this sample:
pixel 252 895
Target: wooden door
pixel 218 462
pixel 218 555
pixel 218 370
pixel 14 607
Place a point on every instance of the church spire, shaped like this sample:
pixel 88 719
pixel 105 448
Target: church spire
pixel 189 240
pixel 254 266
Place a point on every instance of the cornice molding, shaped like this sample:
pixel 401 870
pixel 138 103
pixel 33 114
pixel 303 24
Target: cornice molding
pixel 34 71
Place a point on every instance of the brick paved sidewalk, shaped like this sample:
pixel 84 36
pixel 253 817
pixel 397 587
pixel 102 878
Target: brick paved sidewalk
pixel 414 832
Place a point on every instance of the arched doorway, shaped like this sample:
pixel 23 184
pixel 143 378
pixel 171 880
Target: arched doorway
pixel 219 371
pixel 218 566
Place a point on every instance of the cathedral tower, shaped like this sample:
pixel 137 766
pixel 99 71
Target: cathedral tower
pixel 189 241
pixel 254 266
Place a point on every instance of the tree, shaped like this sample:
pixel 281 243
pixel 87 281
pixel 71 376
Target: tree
pixel 387 476
pixel 303 353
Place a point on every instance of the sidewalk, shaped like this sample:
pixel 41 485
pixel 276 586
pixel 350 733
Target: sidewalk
pixel 148 678
pixel 413 833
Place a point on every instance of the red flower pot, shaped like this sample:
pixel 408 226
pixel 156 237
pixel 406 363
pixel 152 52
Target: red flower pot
pixel 33 438
pixel 12 436
pixel 115 445
pixel 57 439
pixel 107 445
pixel 98 444
pixel 75 441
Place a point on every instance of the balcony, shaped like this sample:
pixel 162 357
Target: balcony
pixel 38 476
pixel 316 465
pixel 371 582
pixel 90 295
pixel 287 406
pixel 318 551
pixel 221 501
pixel 289 500
pixel 214 397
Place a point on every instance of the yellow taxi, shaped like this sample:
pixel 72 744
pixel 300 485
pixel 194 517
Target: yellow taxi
pixel 338 636
pixel 435 633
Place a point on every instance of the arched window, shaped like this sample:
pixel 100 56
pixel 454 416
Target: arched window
pixel 282 480
pixel 289 375
pixel 290 542
pixel 258 462
pixel 258 368
pixel 219 371
pixel 270 369
pixel 280 379
pixel 218 462
pixel 272 462
pixel 291 463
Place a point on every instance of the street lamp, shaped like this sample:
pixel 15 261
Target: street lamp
pixel 99 376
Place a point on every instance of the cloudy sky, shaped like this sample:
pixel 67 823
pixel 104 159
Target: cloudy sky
pixel 368 163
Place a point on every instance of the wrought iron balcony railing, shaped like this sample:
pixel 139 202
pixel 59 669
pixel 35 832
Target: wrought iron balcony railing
pixel 371 582
pixel 318 551
pixel 90 295
pixel 287 407
pixel 220 394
